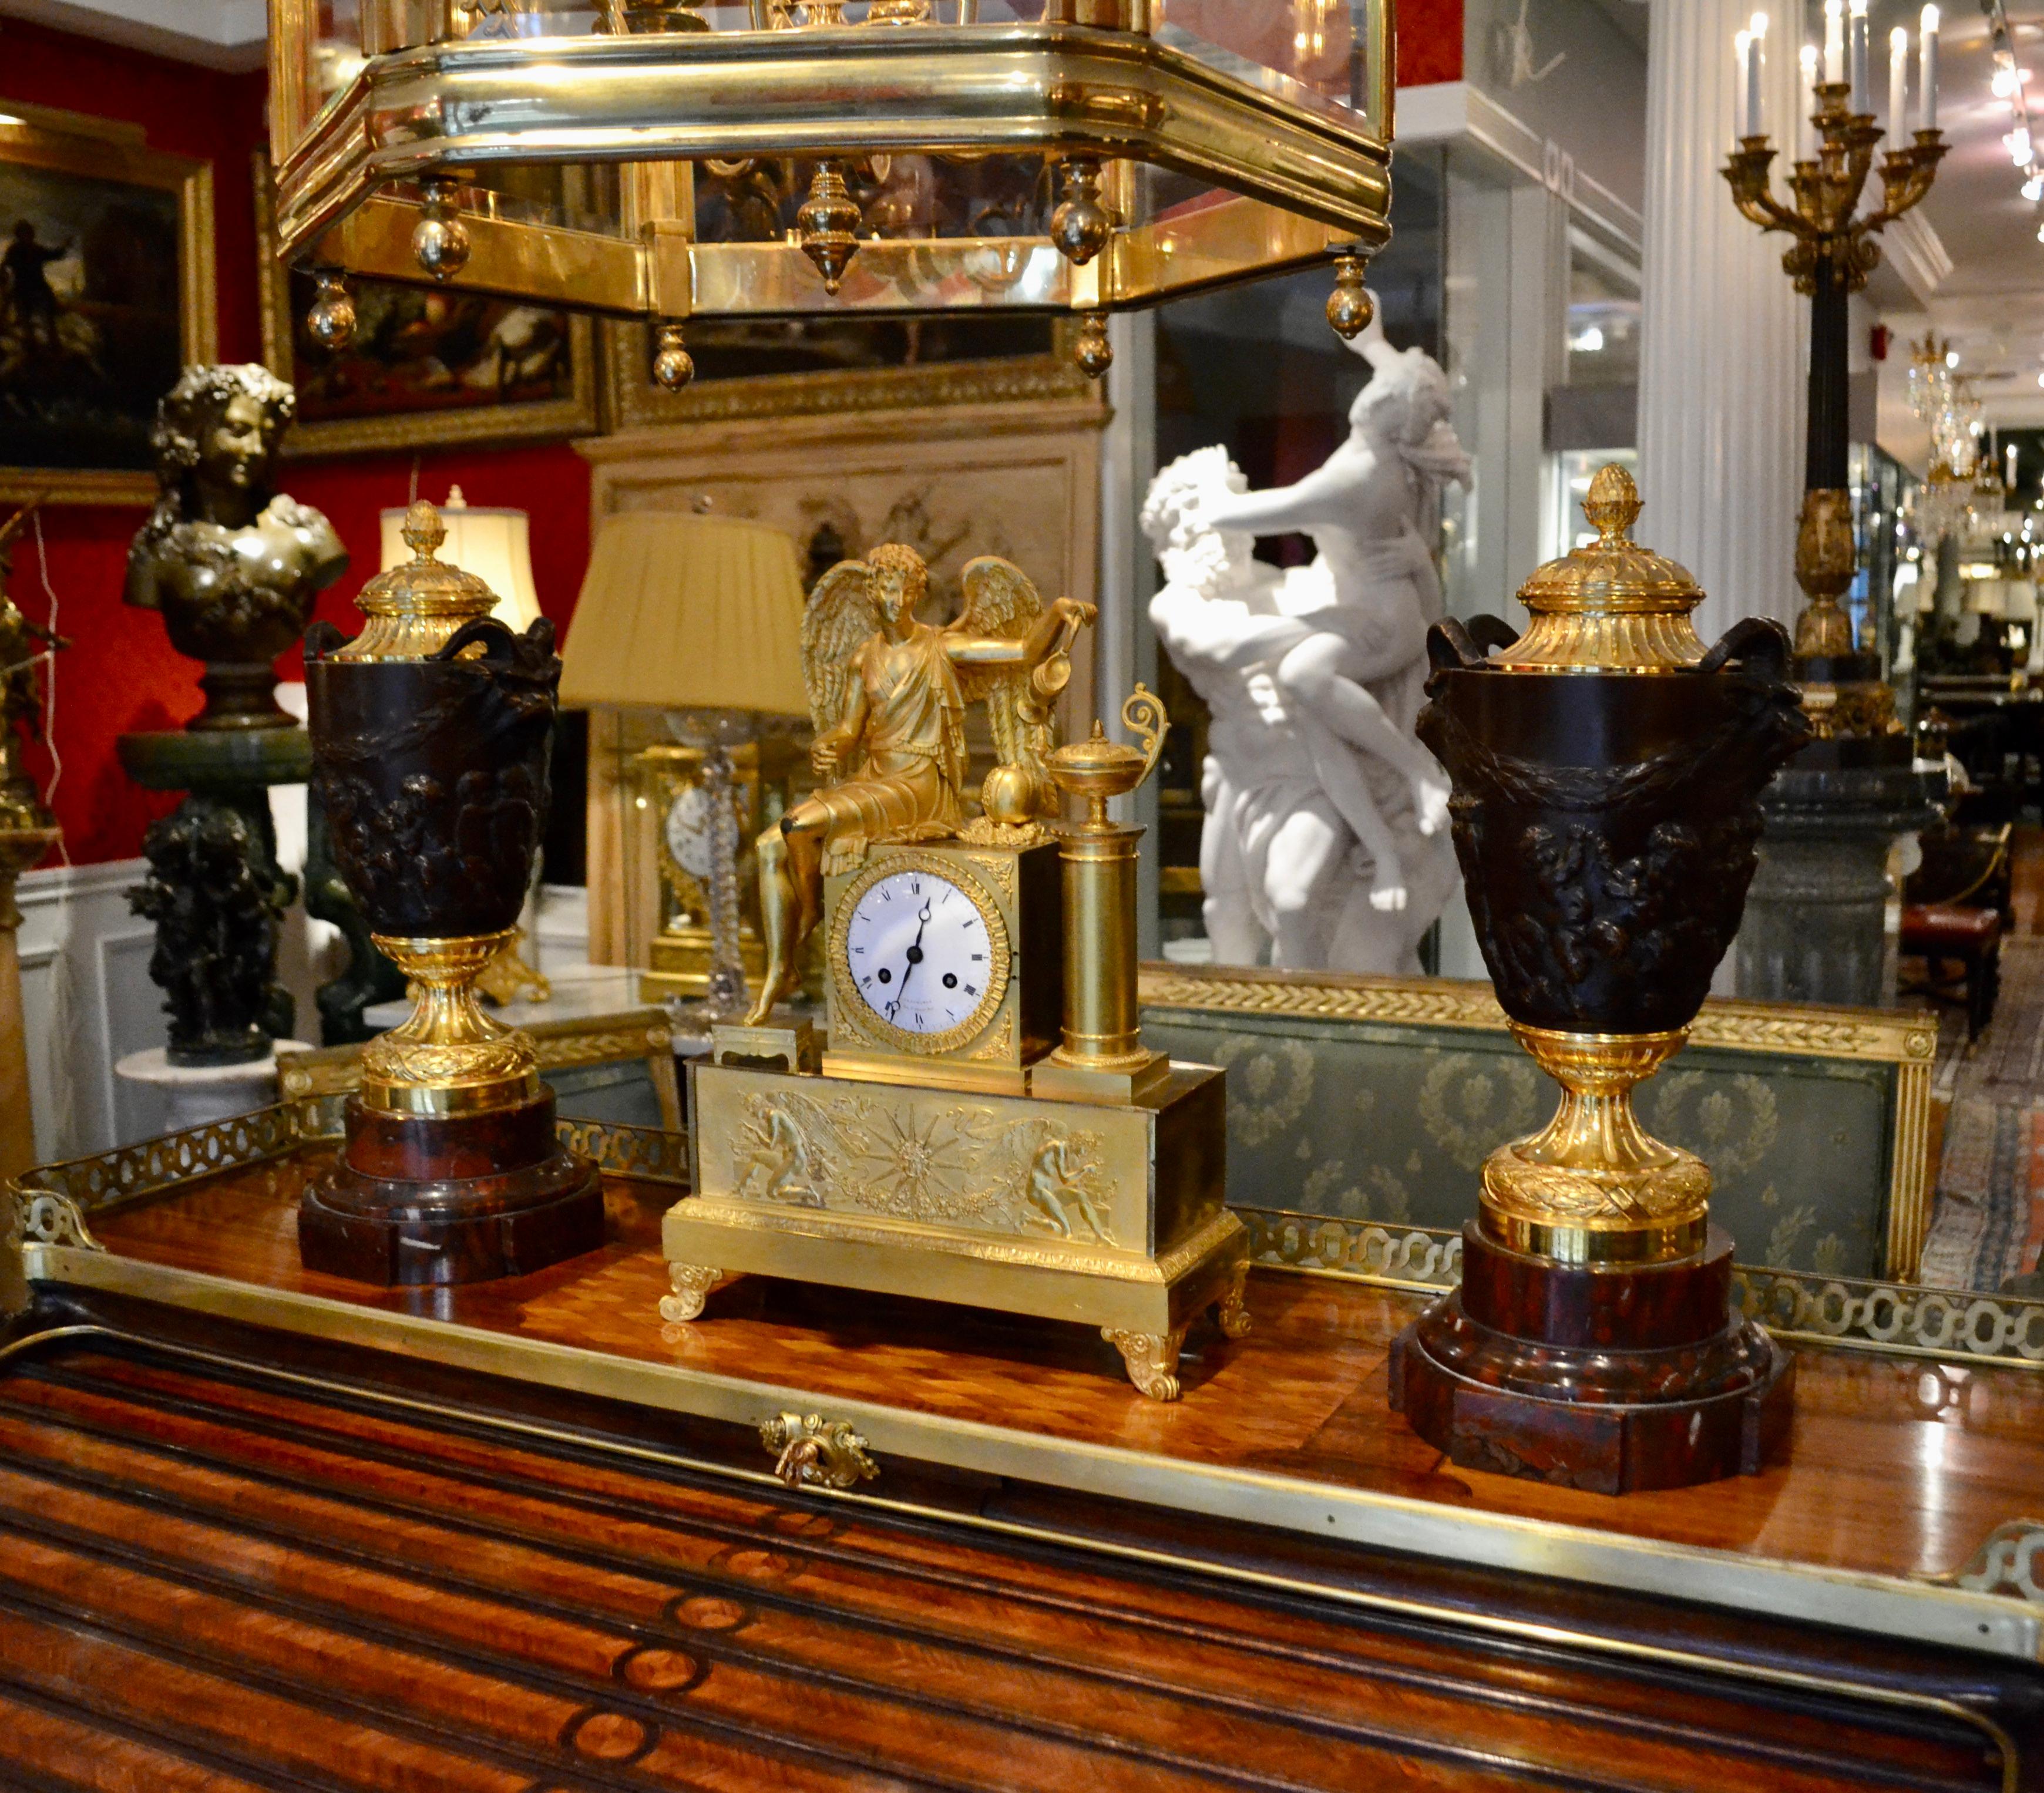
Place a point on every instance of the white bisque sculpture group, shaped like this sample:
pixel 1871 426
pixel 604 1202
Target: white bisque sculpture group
pixel 1326 841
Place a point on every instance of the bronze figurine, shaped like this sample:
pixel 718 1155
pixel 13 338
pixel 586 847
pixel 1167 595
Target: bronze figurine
pixel 888 694
pixel 233 564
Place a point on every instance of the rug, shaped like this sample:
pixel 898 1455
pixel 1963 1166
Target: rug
pixel 1987 1221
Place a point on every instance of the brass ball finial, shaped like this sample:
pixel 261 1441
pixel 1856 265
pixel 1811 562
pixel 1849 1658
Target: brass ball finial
pixel 1612 506
pixel 439 239
pixel 1080 226
pixel 1349 306
pixel 672 366
pixel 827 224
pixel 1093 352
pixel 424 531
pixel 331 319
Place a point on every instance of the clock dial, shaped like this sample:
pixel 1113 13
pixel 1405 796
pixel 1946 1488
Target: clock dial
pixel 921 954
pixel 688 832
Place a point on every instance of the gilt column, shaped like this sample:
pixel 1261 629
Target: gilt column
pixel 1724 333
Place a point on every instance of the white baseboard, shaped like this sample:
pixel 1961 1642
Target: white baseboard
pixel 88 1001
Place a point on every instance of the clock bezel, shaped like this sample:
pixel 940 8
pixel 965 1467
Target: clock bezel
pixel 1000 953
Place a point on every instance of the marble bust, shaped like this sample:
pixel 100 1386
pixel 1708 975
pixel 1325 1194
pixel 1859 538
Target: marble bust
pixel 233 564
pixel 1325 845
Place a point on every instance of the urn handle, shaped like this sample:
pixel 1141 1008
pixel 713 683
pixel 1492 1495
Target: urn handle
pixel 498 644
pixel 1144 715
pixel 1760 645
pixel 1453 645
pixel 321 639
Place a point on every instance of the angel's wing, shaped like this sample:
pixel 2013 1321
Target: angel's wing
pixel 839 616
pixel 1001 601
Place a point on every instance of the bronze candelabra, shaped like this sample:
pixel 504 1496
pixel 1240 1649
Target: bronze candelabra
pixel 1835 248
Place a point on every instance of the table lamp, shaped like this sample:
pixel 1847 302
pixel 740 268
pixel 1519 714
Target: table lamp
pixel 495 543
pixel 700 618
pixel 1987 598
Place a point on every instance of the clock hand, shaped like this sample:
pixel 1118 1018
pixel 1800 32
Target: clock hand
pixel 914 959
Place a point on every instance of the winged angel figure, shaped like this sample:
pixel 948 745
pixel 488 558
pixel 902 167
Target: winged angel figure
pixel 888 695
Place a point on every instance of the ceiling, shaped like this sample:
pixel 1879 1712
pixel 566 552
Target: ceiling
pixel 1630 16
pixel 1991 300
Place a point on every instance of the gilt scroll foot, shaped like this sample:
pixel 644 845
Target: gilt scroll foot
pixel 1152 1359
pixel 692 1284
pixel 1232 1311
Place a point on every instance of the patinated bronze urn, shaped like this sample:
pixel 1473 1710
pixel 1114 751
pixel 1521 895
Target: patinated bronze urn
pixel 431 732
pixel 1607 773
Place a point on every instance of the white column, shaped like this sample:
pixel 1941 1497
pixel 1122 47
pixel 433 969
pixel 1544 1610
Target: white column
pixel 1725 336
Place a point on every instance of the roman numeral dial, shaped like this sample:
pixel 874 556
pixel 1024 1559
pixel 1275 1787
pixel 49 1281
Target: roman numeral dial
pixel 924 953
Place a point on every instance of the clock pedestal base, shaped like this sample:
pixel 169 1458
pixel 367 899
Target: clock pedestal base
pixel 1076 1081
pixel 1109 1216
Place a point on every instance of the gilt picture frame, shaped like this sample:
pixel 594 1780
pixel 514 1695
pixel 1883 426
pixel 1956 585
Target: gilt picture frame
pixel 908 366
pixel 106 292
pixel 426 367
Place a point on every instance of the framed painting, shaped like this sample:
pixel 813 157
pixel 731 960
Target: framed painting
pixel 428 367
pixel 106 290
pixel 747 367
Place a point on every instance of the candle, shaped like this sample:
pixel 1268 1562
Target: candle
pixel 1806 132
pixel 1755 47
pixel 1898 88
pixel 2008 458
pixel 1834 40
pixel 1861 100
pixel 1742 48
pixel 1926 68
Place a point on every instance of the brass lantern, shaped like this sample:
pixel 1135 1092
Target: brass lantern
pixel 665 159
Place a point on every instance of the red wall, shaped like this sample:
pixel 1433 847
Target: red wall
pixel 1430 41
pixel 121 674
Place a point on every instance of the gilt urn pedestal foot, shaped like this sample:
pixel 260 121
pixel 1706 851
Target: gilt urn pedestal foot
pixel 1611 1378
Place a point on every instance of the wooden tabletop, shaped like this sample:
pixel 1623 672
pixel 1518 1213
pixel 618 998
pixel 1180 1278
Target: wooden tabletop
pixel 216 1579
pixel 1896 1468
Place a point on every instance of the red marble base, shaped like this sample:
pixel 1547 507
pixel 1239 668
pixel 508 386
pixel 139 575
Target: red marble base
pixel 1607 1378
pixel 432 1199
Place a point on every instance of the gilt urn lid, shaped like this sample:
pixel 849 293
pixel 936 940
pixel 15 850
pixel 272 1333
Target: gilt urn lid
pixel 1610 605
pixel 414 610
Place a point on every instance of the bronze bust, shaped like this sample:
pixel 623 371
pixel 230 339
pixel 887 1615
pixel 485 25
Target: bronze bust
pixel 233 564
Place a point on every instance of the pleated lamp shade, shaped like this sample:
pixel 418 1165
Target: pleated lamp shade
pixel 2019 601
pixel 680 613
pixel 493 542
pixel 1987 597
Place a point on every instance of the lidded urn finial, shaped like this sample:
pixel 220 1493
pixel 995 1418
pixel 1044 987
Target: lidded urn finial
pixel 416 610
pixel 1610 605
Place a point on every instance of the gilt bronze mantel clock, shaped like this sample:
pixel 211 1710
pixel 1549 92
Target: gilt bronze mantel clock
pixel 984 1126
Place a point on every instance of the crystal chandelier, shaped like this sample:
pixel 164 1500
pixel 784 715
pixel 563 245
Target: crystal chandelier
pixel 667 159
pixel 1943 401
